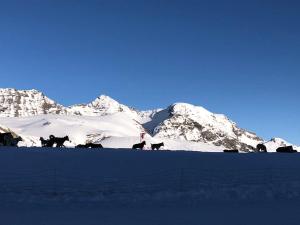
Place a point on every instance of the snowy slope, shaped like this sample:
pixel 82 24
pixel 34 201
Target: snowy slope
pixel 113 131
pixel 77 128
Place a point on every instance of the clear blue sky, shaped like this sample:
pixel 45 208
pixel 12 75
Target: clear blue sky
pixel 240 58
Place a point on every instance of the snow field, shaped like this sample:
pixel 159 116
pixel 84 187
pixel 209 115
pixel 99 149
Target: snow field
pixel 40 186
pixel 112 176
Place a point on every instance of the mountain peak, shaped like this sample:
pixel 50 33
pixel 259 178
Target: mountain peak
pixel 15 90
pixel 104 99
pixel 279 141
pixel 188 109
pixel 102 105
pixel 106 103
pixel 20 103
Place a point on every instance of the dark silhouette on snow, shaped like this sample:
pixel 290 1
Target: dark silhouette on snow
pixel 7 139
pixel 286 149
pixel 89 145
pixel 59 141
pixel 81 146
pixel 139 145
pixel 261 148
pixel 92 145
pixel 15 141
pixel 47 143
pixel 157 146
pixel 231 151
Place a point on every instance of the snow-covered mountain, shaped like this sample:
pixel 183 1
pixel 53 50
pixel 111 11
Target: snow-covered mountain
pixel 196 124
pixel 182 126
pixel 20 103
pixel 103 105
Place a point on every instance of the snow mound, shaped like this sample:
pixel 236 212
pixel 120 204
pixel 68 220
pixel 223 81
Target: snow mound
pixel 275 143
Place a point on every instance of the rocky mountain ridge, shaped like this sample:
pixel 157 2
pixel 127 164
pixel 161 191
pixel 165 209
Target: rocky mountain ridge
pixel 21 103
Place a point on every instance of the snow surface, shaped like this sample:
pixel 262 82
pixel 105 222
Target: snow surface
pixel 112 131
pixel 113 187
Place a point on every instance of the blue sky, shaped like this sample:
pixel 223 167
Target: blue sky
pixel 240 58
